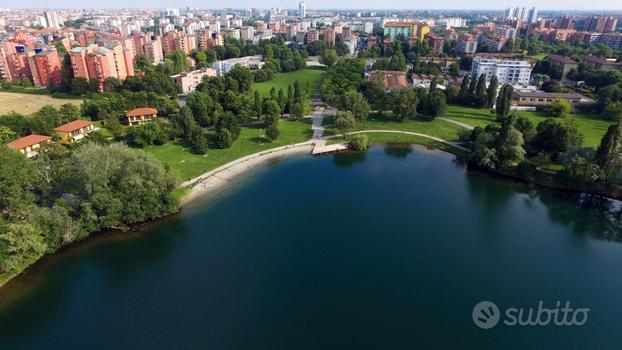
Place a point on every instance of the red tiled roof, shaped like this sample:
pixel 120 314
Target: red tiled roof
pixel 74 125
pixel 29 140
pixel 141 111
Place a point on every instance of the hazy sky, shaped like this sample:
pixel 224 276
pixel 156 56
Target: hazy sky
pixel 311 4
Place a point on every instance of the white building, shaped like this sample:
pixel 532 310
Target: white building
pixel 52 19
pixel 368 27
pixel 508 71
pixel 189 81
pixel 223 67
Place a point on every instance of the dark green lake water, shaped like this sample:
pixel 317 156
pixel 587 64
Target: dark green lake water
pixel 385 250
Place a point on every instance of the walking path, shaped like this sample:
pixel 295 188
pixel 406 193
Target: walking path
pixel 449 143
pixel 464 125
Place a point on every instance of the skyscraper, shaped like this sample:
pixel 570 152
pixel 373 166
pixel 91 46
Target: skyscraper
pixel 533 15
pixel 302 9
pixel 52 19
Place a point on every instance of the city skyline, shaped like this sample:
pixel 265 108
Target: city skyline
pixel 557 5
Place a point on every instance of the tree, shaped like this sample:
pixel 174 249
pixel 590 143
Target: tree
pixel 504 102
pixel 433 84
pixel 344 121
pixel 297 110
pixel 16 182
pixel 272 132
pixel 559 108
pixel 608 155
pixel 243 76
pixel 491 93
pixel 223 138
pixel 359 142
pixel 509 147
pixel 24 244
pixel 257 103
pixel 329 57
pixel 434 104
pixel 463 94
pixel 481 96
pixel 554 137
pixel 198 140
pixel 404 103
pixel 6 135
pixel 356 103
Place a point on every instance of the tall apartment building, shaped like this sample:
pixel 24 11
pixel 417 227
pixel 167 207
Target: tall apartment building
pixel 600 24
pixel 153 48
pixel 302 10
pixel 51 19
pixel 98 63
pixel 521 13
pixel 508 71
pixel 329 37
pixel 45 67
pixel 564 22
pixel 40 65
pixel 312 35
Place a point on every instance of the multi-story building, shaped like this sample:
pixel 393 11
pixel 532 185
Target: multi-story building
pixel 435 41
pixel 600 63
pixel 223 67
pixel 247 33
pixel 189 81
pixel 564 22
pixel 393 30
pixel 45 67
pixel 329 37
pixel 559 66
pixel 74 131
pixel 507 71
pixel 302 9
pixel 496 43
pixel 98 63
pixel 600 24
pixel 153 49
pixel 466 44
pixel 312 35
pixel 505 31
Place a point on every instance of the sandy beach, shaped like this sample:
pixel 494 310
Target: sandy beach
pixel 220 179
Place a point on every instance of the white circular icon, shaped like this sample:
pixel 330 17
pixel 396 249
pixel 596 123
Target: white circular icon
pixel 486 314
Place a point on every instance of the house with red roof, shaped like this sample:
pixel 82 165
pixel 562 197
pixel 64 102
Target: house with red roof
pixel 140 116
pixel 30 145
pixel 74 131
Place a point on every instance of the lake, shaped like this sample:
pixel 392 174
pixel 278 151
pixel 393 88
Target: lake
pixel 388 249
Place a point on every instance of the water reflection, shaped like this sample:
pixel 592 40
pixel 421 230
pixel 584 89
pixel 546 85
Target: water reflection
pixel 348 159
pixel 398 150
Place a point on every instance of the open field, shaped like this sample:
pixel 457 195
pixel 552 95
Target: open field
pixel 438 128
pixel 179 157
pixel 283 80
pixel 592 127
pixel 29 103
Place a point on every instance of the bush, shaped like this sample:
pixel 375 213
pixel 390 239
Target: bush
pixel 559 108
pixel 359 142
pixel 224 138
pixel 272 132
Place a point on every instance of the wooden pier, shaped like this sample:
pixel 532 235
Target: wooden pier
pixel 334 148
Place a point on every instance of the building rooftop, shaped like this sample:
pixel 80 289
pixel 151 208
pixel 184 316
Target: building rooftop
pixel 561 59
pixel 538 94
pixel 27 141
pixel 73 126
pixel 141 111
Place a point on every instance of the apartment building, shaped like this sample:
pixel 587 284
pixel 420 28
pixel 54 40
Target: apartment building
pixel 507 71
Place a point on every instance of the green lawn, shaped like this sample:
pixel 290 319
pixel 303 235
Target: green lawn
pixel 283 80
pixel 591 126
pixel 438 128
pixel 179 157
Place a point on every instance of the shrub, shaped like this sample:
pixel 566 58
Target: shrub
pixel 359 142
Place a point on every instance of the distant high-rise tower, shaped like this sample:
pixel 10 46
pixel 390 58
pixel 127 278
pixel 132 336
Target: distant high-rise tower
pixel 533 15
pixel 52 19
pixel 302 9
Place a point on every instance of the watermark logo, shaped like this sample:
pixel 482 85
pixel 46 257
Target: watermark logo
pixel 487 315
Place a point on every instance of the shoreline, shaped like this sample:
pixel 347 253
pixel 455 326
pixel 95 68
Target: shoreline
pixel 218 180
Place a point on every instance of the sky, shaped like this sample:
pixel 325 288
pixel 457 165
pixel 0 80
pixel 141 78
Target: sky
pixel 320 4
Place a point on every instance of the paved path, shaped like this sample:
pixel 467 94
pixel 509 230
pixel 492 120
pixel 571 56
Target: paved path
pixel 464 125
pixel 449 143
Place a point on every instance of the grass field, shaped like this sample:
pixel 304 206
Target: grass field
pixel 592 127
pixel 283 80
pixel 438 128
pixel 179 157
pixel 29 103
